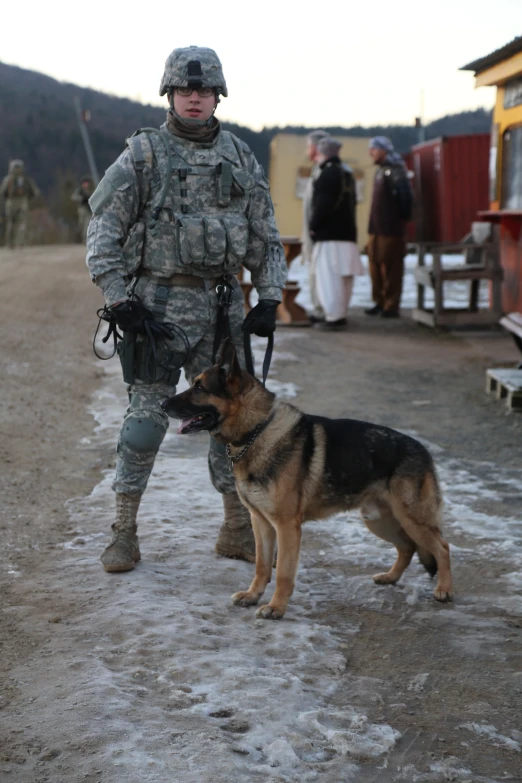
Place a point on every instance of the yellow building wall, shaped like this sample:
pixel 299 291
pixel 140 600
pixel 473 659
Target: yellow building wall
pixel 289 168
pixel 501 72
pixel 502 118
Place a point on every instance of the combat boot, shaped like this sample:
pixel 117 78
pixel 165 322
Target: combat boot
pixel 123 552
pixel 236 538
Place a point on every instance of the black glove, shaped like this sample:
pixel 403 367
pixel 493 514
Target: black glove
pixel 133 316
pixel 261 319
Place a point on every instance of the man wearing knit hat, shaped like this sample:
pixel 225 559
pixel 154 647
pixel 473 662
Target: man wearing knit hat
pixel 333 230
pixel 390 210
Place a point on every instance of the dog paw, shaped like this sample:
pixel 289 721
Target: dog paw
pixel 384 579
pixel 442 595
pixel 268 612
pixel 244 598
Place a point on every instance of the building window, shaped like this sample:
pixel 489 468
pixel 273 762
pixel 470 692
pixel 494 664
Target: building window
pixel 513 93
pixel 512 169
pixel 303 175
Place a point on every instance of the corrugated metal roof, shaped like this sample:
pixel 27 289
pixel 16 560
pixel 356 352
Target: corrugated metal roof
pixel 498 56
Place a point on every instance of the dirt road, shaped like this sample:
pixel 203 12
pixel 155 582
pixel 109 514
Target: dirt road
pixel 154 675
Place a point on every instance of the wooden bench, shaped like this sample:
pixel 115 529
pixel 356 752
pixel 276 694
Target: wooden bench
pixel 512 322
pixel 481 262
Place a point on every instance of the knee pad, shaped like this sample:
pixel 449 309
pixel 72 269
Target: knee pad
pixel 142 435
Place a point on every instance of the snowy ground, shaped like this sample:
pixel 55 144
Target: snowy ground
pixel 176 684
pixel 268 686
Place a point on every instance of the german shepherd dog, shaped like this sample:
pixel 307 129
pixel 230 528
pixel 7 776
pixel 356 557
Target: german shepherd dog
pixel 291 467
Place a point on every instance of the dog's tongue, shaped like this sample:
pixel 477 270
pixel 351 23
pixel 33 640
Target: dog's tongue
pixel 185 426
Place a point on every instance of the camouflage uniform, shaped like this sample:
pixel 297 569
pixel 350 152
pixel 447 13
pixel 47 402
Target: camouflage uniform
pixel 18 190
pixel 81 197
pixel 215 214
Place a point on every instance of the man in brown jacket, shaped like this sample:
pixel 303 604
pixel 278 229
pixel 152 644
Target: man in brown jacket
pixel 390 211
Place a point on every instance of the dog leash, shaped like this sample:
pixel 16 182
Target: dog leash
pixel 249 359
pixel 224 292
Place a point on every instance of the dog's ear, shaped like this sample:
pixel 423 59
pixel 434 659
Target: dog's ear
pixel 228 349
pixel 230 365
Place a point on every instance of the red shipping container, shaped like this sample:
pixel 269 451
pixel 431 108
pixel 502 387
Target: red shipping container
pixel 451 185
pixel 410 226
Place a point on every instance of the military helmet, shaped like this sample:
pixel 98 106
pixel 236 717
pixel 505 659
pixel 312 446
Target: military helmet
pixel 194 66
pixel 16 164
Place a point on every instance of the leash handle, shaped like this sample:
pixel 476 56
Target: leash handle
pixel 249 359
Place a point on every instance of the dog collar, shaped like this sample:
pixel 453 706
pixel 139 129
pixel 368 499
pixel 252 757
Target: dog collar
pixel 233 459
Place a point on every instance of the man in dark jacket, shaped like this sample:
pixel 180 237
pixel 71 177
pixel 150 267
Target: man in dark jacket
pixel 333 230
pixel 390 211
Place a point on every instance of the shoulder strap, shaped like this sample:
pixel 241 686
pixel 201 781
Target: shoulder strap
pixel 242 149
pixel 143 157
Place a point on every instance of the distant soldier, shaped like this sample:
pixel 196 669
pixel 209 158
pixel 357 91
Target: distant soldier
pixel 18 190
pixel 81 197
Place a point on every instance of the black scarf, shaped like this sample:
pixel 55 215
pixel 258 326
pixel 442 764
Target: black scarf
pixel 204 134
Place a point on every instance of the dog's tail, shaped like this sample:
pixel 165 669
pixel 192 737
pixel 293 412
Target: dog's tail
pixel 427 560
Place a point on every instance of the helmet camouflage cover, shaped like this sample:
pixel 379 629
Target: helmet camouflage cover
pixel 16 164
pixel 193 66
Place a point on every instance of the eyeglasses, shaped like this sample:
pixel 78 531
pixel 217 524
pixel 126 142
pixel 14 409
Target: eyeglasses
pixel 203 92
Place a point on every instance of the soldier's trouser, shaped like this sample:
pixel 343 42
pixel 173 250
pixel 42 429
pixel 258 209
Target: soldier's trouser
pixel 386 262
pixel 15 222
pixel 318 310
pixel 145 423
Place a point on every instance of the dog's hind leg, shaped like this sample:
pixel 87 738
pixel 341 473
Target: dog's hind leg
pixel 379 519
pixel 265 537
pixel 418 514
pixel 392 576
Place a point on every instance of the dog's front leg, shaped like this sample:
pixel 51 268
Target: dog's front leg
pixel 265 537
pixel 288 546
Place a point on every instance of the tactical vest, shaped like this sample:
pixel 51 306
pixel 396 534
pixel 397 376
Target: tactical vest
pixel 18 186
pixel 193 205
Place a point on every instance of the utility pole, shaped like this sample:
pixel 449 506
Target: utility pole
pixel 419 121
pixel 86 141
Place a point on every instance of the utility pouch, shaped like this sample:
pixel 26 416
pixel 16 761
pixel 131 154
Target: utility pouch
pixel 127 354
pixel 224 183
pixel 133 248
pixel 163 365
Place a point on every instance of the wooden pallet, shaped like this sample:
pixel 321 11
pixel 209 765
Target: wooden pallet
pixel 512 322
pixel 506 385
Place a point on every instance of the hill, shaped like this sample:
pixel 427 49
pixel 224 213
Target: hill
pixel 39 125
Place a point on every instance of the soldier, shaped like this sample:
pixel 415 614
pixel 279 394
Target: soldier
pixel 173 220
pixel 81 197
pixel 19 190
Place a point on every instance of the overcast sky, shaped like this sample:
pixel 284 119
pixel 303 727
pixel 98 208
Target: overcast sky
pixel 285 62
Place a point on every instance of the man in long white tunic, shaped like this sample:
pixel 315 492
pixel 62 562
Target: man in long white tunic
pixel 333 230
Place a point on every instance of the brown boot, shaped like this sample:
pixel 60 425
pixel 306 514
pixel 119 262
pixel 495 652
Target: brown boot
pixel 236 538
pixel 123 552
